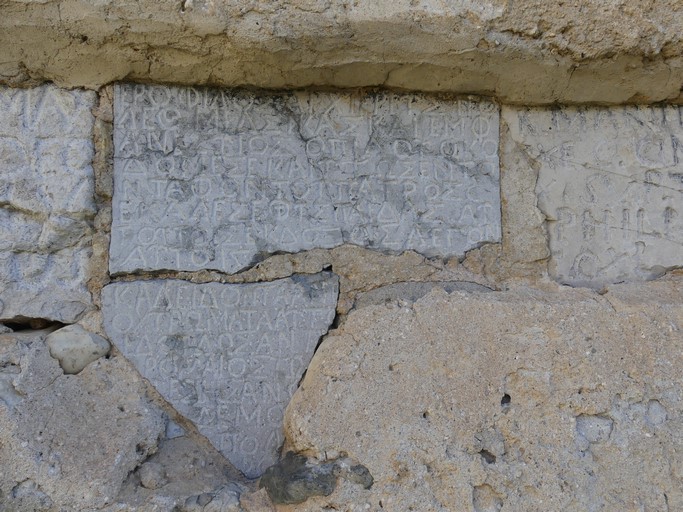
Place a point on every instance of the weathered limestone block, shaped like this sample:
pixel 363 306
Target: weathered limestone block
pixel 611 186
pixel 46 202
pixel 68 441
pixel 216 179
pixel 227 357
pixel 519 400
pixel 532 51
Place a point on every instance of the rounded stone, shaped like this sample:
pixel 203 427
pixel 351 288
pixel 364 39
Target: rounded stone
pixel 152 475
pixel 75 348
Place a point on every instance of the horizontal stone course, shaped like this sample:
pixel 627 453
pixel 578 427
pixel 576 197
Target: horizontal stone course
pixel 218 179
pixel 534 52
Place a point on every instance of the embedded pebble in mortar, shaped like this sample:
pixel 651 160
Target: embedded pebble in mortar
pixel 296 478
pixel 75 348
pixel 225 499
pixel 8 394
pixel 28 496
pixel 174 430
pixel 152 475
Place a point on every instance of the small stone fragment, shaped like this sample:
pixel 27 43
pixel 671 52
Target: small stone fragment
pixel 226 499
pixel 196 503
pixel 204 499
pixel 595 429
pixel 174 430
pixel 295 478
pixel 152 475
pixel 656 413
pixel 75 348
pixel 8 394
pixel 258 501
pixel 359 474
pixel 27 496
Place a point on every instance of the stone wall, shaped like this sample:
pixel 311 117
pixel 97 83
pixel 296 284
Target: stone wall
pixel 238 298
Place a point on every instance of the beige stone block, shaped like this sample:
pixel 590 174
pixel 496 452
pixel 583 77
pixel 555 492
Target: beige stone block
pixel 522 400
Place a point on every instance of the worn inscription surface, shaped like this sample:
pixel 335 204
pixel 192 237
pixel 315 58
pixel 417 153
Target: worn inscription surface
pixel 227 356
pixel 216 179
pixel 46 201
pixel 611 185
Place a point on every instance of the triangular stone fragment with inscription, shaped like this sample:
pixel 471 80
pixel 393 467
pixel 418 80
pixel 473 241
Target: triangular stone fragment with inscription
pixel 227 356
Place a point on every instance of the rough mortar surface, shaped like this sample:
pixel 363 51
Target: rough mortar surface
pixel 610 183
pixel 67 442
pixel 227 357
pixel 188 470
pixel 208 179
pixel 46 202
pixel 535 51
pixel 517 400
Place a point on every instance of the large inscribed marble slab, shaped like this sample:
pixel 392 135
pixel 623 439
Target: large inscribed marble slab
pixel 227 356
pixel 218 179
pixel 611 186
pixel 47 202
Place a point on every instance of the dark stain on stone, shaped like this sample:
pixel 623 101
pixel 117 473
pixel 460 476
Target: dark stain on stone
pixel 296 478
pixel 488 456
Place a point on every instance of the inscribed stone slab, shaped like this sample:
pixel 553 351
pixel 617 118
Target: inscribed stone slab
pixel 216 179
pixel 46 201
pixel 611 185
pixel 227 356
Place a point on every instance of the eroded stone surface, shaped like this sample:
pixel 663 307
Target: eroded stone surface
pixel 227 357
pixel 532 51
pixel 217 179
pixel 68 441
pixel 188 468
pixel 518 400
pixel 46 201
pixel 611 186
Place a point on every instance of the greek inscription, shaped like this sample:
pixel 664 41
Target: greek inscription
pixel 47 201
pixel 609 183
pixel 228 357
pixel 210 179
